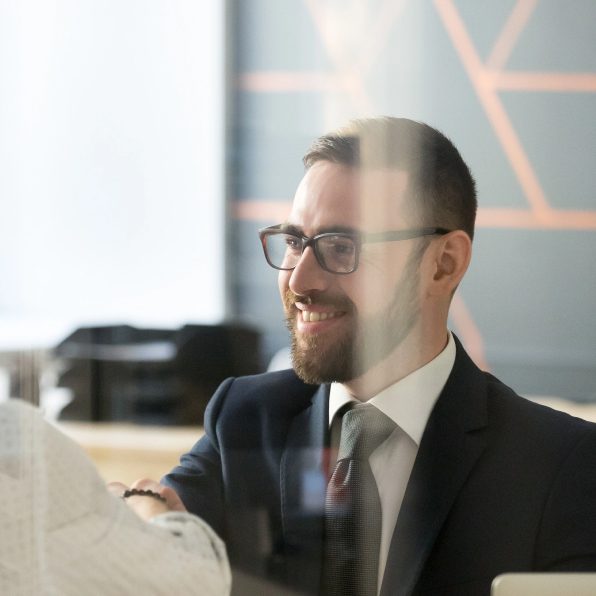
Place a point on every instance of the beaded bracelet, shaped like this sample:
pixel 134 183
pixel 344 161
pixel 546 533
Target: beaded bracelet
pixel 134 492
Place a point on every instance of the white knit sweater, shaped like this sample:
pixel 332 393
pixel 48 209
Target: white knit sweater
pixel 62 533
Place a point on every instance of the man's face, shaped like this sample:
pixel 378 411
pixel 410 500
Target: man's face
pixel 342 325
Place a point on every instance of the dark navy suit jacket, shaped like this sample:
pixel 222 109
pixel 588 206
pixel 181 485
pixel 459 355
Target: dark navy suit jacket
pixel 499 485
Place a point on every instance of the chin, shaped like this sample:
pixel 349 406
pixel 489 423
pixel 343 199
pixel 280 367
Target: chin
pixel 316 365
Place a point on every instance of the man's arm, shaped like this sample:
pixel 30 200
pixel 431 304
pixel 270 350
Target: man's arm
pixel 198 479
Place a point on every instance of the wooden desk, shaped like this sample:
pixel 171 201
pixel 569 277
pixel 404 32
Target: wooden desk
pixel 127 452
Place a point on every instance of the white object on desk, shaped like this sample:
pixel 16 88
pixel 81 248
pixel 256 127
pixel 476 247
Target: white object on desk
pixel 544 584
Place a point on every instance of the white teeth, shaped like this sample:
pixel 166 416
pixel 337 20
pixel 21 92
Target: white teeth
pixel 315 317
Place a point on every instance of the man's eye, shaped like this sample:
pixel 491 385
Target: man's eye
pixel 344 249
pixel 292 242
pixel 341 248
pixel 339 252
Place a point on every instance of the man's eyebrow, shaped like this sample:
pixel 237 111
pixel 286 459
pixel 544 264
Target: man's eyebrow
pixel 339 230
pixel 292 229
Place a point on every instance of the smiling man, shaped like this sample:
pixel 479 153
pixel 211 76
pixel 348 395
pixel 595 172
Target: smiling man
pixel 385 462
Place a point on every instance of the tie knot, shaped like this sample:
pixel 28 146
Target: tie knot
pixel 363 429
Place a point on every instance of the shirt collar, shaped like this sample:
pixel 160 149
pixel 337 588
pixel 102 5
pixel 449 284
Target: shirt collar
pixel 409 401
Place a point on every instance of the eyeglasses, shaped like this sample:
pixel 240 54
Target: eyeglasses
pixel 336 252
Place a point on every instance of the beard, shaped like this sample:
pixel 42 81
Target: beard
pixel 362 344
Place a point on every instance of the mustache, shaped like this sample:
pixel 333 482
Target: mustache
pixel 342 303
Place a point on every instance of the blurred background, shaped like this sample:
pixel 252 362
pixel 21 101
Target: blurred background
pixel 143 143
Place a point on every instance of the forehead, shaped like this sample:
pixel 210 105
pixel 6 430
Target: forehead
pixel 334 195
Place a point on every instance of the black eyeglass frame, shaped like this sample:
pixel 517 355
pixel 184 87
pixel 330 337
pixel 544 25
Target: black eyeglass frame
pixel 358 238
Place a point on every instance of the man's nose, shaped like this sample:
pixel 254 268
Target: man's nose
pixel 308 276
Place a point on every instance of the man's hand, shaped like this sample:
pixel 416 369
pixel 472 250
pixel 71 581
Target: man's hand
pixel 147 507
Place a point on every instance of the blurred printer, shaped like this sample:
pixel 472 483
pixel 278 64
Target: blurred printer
pixel 152 376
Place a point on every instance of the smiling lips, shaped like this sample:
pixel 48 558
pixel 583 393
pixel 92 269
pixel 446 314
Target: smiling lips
pixel 309 316
pixel 305 312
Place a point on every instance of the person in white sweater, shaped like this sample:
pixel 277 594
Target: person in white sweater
pixel 62 533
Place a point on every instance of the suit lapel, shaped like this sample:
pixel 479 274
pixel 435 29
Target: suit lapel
pixel 303 484
pixel 451 444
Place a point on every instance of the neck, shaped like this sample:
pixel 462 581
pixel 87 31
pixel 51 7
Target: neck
pixel 410 355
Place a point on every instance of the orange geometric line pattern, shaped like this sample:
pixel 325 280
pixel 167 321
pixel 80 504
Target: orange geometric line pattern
pixel 388 14
pixel 487 79
pixel 353 69
pixel 483 80
pixel 577 82
pixel 284 81
pixel 262 211
pixel 276 210
pixel 494 108
pixel 510 33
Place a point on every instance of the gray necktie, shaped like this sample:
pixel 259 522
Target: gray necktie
pixel 353 508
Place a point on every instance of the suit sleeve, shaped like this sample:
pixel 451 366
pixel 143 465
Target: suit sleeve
pixel 198 479
pixel 567 538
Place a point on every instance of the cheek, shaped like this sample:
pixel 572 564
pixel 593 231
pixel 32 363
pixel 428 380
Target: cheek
pixel 372 290
pixel 283 282
pixel 379 277
pixel 364 290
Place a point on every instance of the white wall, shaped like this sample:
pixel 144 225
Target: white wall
pixel 111 162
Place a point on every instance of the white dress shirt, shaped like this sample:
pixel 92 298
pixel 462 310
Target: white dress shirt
pixel 408 403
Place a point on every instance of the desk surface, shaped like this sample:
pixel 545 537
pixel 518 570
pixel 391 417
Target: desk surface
pixel 127 452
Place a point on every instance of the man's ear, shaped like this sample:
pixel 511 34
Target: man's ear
pixel 451 258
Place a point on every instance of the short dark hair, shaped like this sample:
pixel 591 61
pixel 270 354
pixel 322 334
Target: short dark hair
pixel 441 184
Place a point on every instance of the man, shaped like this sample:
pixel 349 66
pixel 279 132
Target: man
pixel 63 533
pixel 467 481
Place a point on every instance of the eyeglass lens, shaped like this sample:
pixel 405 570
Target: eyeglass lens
pixel 335 253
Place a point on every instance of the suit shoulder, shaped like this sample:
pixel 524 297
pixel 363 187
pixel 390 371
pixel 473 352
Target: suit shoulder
pixel 522 412
pixel 263 386
pixel 274 392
